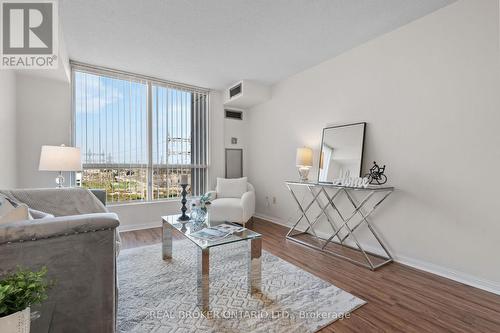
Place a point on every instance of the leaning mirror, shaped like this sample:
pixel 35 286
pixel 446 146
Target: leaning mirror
pixel 341 152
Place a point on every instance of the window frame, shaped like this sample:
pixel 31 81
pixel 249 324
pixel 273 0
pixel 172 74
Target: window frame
pixel 150 82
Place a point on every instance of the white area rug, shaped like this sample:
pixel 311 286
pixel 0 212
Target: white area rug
pixel 160 296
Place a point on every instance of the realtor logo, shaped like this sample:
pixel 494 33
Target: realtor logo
pixel 29 33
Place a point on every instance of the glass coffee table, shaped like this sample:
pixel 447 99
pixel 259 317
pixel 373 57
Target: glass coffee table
pixel 253 255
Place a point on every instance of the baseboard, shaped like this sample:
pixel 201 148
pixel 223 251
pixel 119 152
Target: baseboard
pixel 445 272
pixel 133 227
pixel 470 280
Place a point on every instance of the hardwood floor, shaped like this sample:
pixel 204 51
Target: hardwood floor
pixel 399 297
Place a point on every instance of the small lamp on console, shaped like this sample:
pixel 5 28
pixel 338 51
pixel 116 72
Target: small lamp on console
pixel 304 162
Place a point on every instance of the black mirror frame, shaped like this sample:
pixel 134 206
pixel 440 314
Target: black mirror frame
pixel 362 148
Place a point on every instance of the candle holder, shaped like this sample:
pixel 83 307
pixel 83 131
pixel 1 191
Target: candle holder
pixel 183 217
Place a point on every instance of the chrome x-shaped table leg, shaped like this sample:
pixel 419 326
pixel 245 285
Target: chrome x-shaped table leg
pixel 324 209
pixel 304 214
pixel 346 221
pixel 365 219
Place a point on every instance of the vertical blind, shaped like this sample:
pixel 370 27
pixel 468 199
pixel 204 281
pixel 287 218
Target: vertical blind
pixel 139 135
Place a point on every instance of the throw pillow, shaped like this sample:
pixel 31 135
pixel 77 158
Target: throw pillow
pixel 9 213
pixel 231 188
pixel 36 214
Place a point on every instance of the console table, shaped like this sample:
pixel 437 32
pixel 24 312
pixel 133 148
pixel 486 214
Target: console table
pixel 326 196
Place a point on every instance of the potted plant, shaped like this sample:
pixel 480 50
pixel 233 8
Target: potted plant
pixel 18 291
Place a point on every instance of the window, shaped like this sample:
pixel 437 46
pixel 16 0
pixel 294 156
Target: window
pixel 134 151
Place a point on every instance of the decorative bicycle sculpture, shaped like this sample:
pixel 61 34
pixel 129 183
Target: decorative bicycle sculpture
pixel 376 175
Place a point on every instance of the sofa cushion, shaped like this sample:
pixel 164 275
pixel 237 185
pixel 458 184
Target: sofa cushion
pixel 231 188
pixel 226 209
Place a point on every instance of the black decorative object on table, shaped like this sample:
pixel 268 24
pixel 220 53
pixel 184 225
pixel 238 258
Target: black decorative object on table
pixel 376 175
pixel 184 216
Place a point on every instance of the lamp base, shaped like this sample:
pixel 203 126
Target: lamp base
pixel 303 173
pixel 60 180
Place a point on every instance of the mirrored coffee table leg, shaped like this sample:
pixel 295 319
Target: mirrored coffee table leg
pixel 254 265
pixel 167 240
pixel 203 282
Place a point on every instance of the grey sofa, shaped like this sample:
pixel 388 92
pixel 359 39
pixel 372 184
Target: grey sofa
pixel 78 246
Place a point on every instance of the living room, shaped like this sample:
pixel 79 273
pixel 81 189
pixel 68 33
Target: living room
pixel 249 166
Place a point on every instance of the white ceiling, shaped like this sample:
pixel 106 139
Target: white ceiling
pixel 213 43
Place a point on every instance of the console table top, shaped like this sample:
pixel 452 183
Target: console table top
pixel 324 184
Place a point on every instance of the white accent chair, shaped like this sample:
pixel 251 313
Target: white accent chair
pixel 232 205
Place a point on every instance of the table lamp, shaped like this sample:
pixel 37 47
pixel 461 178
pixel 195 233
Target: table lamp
pixel 304 162
pixel 60 158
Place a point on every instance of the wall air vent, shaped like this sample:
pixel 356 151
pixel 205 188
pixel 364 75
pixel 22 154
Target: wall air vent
pixel 246 94
pixel 236 90
pixel 233 114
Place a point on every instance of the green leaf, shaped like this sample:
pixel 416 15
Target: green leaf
pixel 21 289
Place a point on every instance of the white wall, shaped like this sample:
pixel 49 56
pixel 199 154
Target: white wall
pixel 34 110
pixel 143 215
pixel 8 172
pixel 43 118
pixel 430 93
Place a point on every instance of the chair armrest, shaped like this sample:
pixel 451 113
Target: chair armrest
pixel 58 226
pixel 248 203
pixel 212 195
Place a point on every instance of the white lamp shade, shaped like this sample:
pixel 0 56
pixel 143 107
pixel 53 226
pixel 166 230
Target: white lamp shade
pixel 304 157
pixel 60 158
